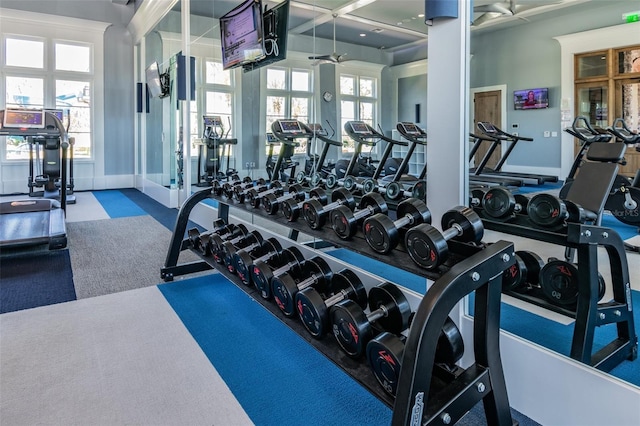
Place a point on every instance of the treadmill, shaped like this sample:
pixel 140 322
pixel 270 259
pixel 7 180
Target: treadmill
pixel 26 223
pixel 491 131
pixel 475 176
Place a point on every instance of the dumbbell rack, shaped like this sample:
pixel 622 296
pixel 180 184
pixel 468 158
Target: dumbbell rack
pixel 421 392
pixel 589 313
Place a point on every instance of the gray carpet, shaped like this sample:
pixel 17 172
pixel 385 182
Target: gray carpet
pixel 114 255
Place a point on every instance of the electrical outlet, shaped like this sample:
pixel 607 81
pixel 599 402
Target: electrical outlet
pixel 247 165
pixel 547 134
pixel 252 165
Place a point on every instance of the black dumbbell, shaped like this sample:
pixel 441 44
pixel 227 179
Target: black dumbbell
pixel 250 241
pixel 228 187
pixel 216 241
pixel 291 208
pixel 385 351
pixel 559 282
pixel 239 192
pixel 498 202
pixel 395 191
pixel 254 195
pixel 243 260
pixel 353 329
pixel 524 273
pixel 316 273
pixel 315 213
pixel 195 237
pixel 313 180
pixel 290 261
pixel 345 221
pixel 428 247
pixel 313 310
pixel 366 185
pixel 383 234
pixel 332 181
pixel 271 202
pixel 550 211
pixel 216 187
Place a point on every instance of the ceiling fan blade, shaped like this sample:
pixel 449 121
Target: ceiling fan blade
pixel 500 8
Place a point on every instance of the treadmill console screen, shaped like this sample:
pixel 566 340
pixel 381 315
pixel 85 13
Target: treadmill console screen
pixel 57 112
pixel 212 120
pixel 23 119
pixel 290 126
pixel 272 139
pixel 410 128
pixel 487 127
pixel 360 127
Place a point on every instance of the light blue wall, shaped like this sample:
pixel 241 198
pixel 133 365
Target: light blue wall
pixel 528 57
pixel 412 91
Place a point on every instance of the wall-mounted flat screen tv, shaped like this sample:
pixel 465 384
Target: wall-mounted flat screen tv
pixel 155 81
pixel 242 35
pixel 275 25
pixel 531 98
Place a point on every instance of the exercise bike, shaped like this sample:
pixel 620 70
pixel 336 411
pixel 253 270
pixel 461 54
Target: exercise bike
pixel 623 201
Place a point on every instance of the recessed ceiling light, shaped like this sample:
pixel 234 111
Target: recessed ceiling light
pixel 363 35
pixel 421 15
pixel 399 23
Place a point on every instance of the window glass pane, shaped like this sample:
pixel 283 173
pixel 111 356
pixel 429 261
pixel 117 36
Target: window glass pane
pixel 276 79
pixel 347 109
pixel 72 93
pixel 24 53
pixel 24 92
pixel 214 74
pixel 593 103
pixel 73 58
pixel 366 112
pixel 275 106
pixel 629 61
pixel 592 65
pixel 300 109
pixel 367 87
pixel 347 85
pixel 75 96
pixel 218 103
pixel 300 81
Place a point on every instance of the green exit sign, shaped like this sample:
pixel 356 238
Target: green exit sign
pixel 631 17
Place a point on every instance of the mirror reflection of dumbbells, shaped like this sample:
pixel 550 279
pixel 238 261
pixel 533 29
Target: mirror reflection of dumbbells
pixel 361 185
pixel 316 214
pixel 240 191
pixel 353 328
pixel 291 208
pixel 290 261
pixel 316 273
pixel 560 283
pixel 385 351
pixel 229 189
pixel 383 234
pixel 226 188
pixel 547 210
pixel 251 241
pixel 196 237
pixel 313 309
pixel 498 202
pixel 271 202
pixel 269 252
pixel 254 196
pixel 523 275
pixel 395 191
pixel 428 247
pixel 216 241
pixel 346 222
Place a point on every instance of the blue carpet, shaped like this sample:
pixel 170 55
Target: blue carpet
pixel 116 204
pixel 277 377
pixel 557 337
pixel 527 189
pixel 31 281
pixel 387 272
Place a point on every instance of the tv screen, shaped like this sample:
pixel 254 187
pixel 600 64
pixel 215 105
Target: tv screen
pixel 154 81
pixel 241 34
pixel 531 98
pixel 275 25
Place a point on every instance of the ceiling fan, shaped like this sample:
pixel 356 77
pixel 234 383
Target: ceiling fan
pixel 491 11
pixel 333 58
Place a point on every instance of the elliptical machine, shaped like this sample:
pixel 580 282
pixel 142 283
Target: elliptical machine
pixel 211 152
pixel 623 201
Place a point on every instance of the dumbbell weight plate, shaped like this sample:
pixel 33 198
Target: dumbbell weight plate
pixel 242 259
pixel 546 210
pixel 331 181
pixel 314 212
pixel 312 308
pixel 526 270
pixel 262 272
pixel 498 202
pixel 381 232
pixel 419 190
pixel 290 208
pixel 301 177
pixel 285 287
pixel 559 282
pixel 397 317
pixel 316 178
pixel 473 229
pixel 394 191
pixel 343 221
pixel 523 200
pixel 349 183
pixel 369 185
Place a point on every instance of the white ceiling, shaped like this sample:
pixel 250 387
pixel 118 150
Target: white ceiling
pixel 392 25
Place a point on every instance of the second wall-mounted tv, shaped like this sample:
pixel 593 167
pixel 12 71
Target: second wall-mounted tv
pixel 242 34
pixel 276 24
pixel 531 98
